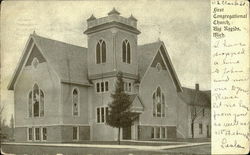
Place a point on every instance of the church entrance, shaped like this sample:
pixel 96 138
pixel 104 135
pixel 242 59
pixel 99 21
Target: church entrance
pixel 126 133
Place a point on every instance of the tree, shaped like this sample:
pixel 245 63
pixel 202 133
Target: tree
pixel 120 115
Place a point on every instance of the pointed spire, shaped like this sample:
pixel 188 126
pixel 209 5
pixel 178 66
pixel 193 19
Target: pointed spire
pixel 132 17
pixel 114 12
pixel 92 17
pixel 34 32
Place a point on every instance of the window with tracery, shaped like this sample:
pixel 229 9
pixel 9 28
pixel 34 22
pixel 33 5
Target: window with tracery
pixel 158 103
pixel 101 52
pixel 126 52
pixel 36 102
pixel 75 100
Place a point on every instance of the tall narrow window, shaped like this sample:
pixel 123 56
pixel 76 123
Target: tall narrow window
pixel 106 113
pixel 30 133
pixel 163 105
pixel 36 100
pixel 152 132
pixel 129 87
pixel 102 86
pixel 158 103
pixel 30 104
pixel 98 115
pixel 37 133
pixel 200 129
pixel 157 132
pixel 158 99
pixel 163 132
pixel 98 53
pixel 101 52
pixel 154 105
pixel 106 86
pixel 41 103
pixel 98 87
pixel 126 52
pixel 44 133
pixel 75 102
pixel 102 114
pixel 75 133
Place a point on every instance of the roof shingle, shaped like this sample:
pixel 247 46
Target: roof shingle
pixel 195 97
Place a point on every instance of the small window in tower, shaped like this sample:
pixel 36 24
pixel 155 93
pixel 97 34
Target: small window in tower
pixel 102 86
pixel 98 87
pixel 100 52
pixel 106 86
pixel 126 52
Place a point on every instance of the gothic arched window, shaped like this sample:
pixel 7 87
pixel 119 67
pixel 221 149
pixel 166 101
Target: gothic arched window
pixel 30 104
pixel 75 102
pixel 101 52
pixel 126 55
pixel 36 102
pixel 158 103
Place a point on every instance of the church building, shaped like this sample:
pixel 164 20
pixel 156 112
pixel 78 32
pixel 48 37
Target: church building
pixel 62 91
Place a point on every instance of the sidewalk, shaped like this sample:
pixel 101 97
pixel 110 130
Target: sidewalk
pixel 138 147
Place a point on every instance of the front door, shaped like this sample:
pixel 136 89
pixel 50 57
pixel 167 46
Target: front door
pixel 126 133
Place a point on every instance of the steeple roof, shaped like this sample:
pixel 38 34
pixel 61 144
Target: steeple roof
pixel 92 17
pixel 132 17
pixel 114 12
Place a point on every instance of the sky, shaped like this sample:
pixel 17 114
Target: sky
pixel 183 26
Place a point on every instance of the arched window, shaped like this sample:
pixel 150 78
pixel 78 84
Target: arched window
pixel 30 104
pixel 36 102
pixel 158 103
pixel 126 55
pixel 101 52
pixel 75 102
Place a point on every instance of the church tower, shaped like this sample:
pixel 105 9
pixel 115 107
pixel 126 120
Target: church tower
pixel 112 46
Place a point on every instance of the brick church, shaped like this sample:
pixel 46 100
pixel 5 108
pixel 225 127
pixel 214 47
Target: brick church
pixel 62 91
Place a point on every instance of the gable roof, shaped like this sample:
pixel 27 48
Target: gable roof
pixel 69 61
pixel 196 97
pixel 137 105
pixel 146 54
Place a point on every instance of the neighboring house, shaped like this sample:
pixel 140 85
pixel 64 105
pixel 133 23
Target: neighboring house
pixel 197 111
pixel 62 91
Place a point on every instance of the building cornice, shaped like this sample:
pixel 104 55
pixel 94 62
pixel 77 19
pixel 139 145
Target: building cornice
pixel 112 25
pixel 112 74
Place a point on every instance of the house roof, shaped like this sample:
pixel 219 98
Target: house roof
pixel 137 105
pixel 196 97
pixel 69 61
